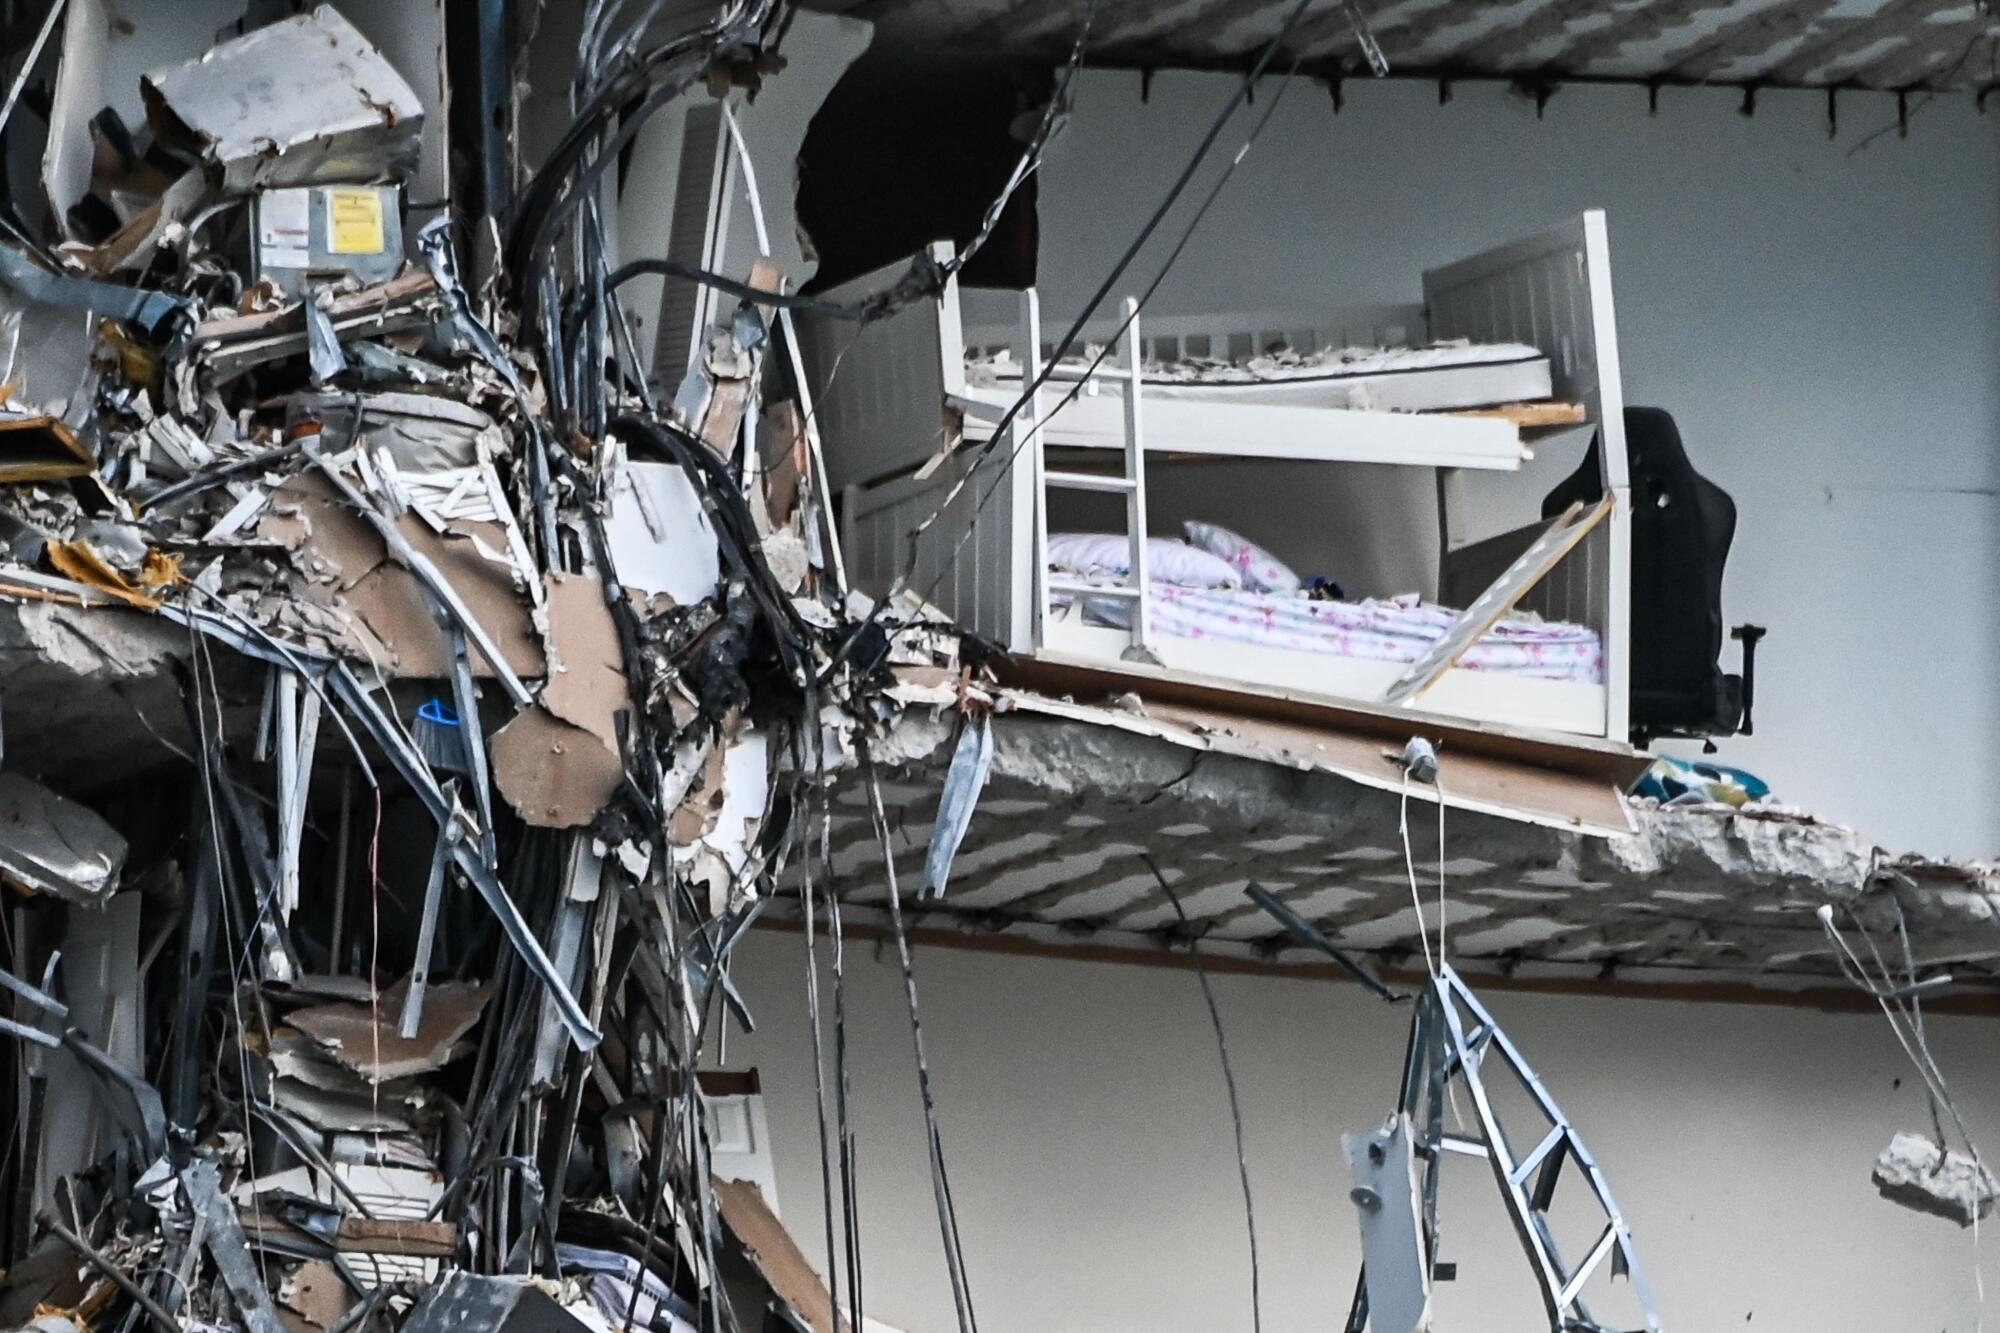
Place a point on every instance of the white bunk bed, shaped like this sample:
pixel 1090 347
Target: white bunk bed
pixel 905 426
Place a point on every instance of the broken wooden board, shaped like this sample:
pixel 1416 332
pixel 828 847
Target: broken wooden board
pixel 776 1256
pixel 41 449
pixel 1529 568
pixel 1530 416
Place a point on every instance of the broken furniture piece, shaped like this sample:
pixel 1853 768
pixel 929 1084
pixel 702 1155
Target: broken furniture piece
pixel 1397 1168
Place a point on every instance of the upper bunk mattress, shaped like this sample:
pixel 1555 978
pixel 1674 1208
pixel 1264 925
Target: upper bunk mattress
pixel 1442 377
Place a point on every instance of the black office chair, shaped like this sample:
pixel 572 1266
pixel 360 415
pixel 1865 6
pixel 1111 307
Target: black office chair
pixel 1682 526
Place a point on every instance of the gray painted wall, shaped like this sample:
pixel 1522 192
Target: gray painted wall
pixel 1087 1137
pixel 1821 320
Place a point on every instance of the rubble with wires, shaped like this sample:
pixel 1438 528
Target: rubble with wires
pixel 504 692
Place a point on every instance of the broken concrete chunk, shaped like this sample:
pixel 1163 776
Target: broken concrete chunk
pixel 55 846
pixel 1918 1174
pixel 300 102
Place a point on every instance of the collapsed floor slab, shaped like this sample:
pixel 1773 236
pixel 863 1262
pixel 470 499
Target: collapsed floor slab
pixel 1080 797
pixel 88 695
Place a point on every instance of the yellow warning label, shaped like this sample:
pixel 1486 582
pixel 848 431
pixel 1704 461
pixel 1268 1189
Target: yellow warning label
pixel 354 222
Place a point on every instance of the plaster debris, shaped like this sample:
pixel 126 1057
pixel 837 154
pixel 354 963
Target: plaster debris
pixel 434 704
pixel 1916 1173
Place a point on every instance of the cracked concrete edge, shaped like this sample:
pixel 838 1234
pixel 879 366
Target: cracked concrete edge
pixel 87 642
pixel 1758 860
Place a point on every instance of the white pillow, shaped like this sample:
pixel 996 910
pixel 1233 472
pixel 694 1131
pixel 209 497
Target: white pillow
pixel 1167 561
pixel 1258 568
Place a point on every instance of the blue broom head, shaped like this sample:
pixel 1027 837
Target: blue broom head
pixel 440 737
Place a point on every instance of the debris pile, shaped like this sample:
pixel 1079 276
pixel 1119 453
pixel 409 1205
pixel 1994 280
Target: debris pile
pixel 385 997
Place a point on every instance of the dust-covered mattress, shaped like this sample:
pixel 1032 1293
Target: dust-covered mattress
pixel 1399 629
pixel 1444 376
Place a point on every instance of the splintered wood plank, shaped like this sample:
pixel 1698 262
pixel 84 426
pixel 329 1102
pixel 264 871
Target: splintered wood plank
pixel 1528 416
pixel 1500 597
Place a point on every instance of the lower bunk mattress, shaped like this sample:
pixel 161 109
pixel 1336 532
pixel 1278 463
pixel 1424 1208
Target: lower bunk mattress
pixel 1398 629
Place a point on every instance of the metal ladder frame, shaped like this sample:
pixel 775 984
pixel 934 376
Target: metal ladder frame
pixel 1451 1035
pixel 1029 425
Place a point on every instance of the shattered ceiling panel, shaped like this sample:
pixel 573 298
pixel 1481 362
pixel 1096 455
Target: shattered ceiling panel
pixel 1058 847
pixel 1888 44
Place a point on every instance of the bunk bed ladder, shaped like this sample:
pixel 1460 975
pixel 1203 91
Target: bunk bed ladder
pixel 1131 482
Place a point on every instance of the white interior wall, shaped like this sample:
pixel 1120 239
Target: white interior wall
pixel 1819 317
pixel 1088 1142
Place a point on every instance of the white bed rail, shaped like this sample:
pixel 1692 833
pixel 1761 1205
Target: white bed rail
pixel 1576 591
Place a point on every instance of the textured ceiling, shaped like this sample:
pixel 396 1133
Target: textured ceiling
pixel 1057 845
pixel 1887 44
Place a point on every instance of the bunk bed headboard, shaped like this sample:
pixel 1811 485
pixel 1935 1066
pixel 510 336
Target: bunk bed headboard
pixel 878 389
pixel 1553 291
